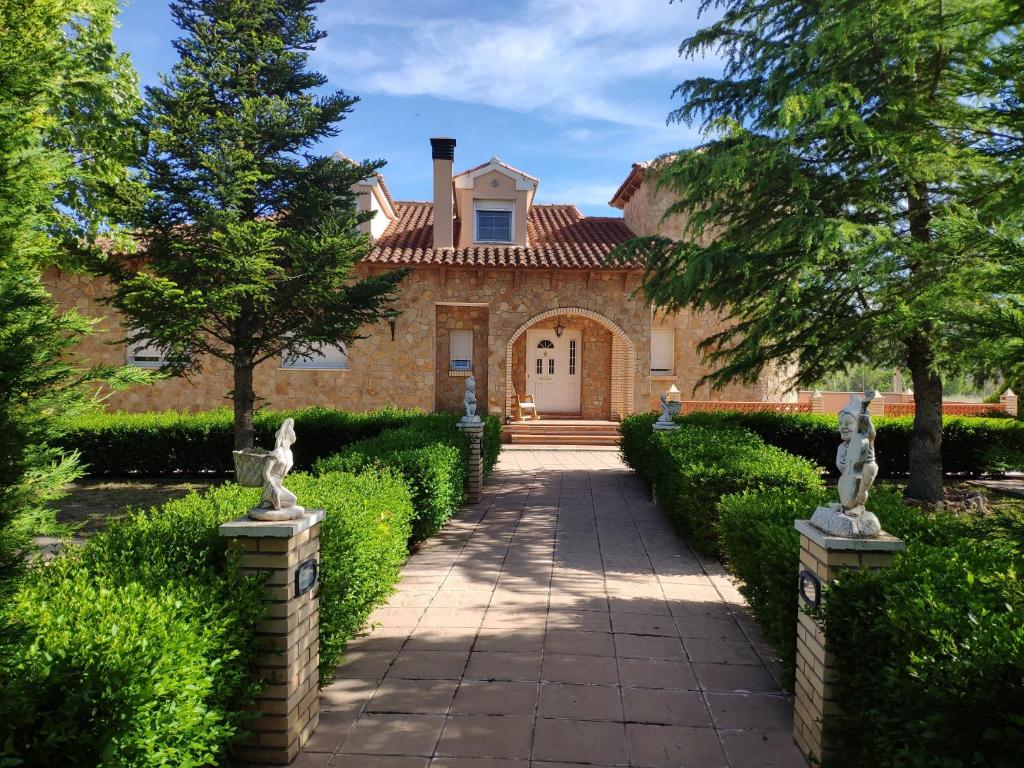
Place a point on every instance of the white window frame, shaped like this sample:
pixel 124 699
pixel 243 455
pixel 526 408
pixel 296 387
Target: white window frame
pixel 495 206
pixel 321 362
pixel 668 335
pixel 133 348
pixel 457 340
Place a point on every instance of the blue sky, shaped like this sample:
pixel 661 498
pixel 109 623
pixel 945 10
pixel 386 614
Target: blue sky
pixel 571 91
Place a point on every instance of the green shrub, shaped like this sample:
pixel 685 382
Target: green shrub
pixel 492 443
pixel 930 657
pixel 430 454
pixel 693 467
pixel 970 446
pixel 762 549
pixel 169 442
pixel 637 446
pixel 363 545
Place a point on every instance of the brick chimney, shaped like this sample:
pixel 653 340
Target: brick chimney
pixel 442 150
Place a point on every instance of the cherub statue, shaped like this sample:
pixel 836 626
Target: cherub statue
pixel 277 502
pixel 469 401
pixel 855 460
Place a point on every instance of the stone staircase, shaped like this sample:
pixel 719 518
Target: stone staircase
pixel 561 431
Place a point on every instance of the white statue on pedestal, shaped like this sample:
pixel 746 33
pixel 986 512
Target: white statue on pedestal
pixel 277 502
pixel 669 409
pixel 855 459
pixel 469 402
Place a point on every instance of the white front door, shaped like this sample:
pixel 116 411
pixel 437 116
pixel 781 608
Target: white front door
pixel 553 370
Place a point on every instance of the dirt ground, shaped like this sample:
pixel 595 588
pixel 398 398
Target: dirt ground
pixel 91 503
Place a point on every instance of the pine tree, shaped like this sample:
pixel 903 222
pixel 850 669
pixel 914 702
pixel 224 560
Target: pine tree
pixel 249 239
pixel 67 99
pixel 816 210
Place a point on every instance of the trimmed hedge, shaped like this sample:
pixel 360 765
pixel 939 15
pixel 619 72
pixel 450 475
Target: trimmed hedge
pixel 691 468
pixel 169 442
pixel 970 445
pixel 139 649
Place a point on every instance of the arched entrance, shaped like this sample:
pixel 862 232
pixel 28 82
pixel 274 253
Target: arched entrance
pixel 623 358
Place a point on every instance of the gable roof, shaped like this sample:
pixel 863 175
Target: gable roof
pixel 496 164
pixel 560 237
pixel 628 187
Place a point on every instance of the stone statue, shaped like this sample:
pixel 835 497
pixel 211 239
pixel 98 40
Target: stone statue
pixel 277 502
pixel 855 460
pixel 669 409
pixel 469 402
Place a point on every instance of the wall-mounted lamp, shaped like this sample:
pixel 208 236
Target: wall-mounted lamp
pixel 559 330
pixel 391 325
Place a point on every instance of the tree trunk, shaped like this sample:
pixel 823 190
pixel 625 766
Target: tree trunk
pixel 244 398
pixel 925 481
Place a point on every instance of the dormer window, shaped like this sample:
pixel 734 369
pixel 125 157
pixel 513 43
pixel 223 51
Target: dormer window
pixel 492 221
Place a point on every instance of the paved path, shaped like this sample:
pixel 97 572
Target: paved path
pixel 560 622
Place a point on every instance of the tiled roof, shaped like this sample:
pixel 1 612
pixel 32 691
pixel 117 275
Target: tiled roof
pixel 560 237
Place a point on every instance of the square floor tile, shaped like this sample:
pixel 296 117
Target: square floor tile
pixel 587 670
pixel 648 705
pixel 332 731
pixel 751 710
pixel 425 697
pixel 429 665
pixel 643 624
pixel 579 741
pixel 492 697
pixel 741 678
pixel 673 746
pixel 365 664
pixel 579 643
pixel 503 640
pixel 584 621
pixel 656 673
pixel 394 735
pixel 477 762
pixel 503 665
pixel 580 702
pixel 441 639
pixel 762 749
pixel 648 605
pixel 506 736
pixel 721 652
pixel 648 647
pixel 374 761
pixel 346 694
pixel 707 628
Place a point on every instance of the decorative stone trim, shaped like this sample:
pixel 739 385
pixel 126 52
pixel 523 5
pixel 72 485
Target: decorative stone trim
pixel 623 358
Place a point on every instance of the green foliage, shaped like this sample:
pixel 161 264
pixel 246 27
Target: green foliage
pixel 691 468
pixel 66 98
pixel 762 549
pixel 363 545
pixel 170 442
pixel 137 651
pixel 930 657
pixel 492 443
pixel 970 445
pixel 250 238
pixel 637 446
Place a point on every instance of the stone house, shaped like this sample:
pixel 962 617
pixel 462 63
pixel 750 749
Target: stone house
pixel 515 292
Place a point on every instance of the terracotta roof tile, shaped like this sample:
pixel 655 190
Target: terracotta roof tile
pixel 560 237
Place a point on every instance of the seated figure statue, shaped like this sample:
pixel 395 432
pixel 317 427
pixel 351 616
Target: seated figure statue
pixel 855 460
pixel 469 402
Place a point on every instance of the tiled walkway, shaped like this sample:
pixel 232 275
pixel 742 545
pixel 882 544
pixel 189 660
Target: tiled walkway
pixel 559 622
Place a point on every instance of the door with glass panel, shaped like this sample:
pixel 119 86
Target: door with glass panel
pixel 553 370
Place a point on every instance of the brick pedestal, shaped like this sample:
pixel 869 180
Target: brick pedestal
pixel 825 557
pixel 290 704
pixel 475 462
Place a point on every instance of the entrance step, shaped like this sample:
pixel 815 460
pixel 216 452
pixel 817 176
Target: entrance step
pixel 562 432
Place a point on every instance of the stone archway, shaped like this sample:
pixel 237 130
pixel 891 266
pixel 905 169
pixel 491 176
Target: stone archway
pixel 623 358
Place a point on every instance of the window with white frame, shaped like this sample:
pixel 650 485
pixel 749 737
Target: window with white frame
pixel 663 344
pixel 460 350
pixel 492 221
pixel 142 354
pixel 329 357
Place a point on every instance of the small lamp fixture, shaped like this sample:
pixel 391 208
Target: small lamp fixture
pixel 559 329
pixel 673 394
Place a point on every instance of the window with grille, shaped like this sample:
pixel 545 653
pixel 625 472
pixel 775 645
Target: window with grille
pixel 493 221
pixel 460 350
pixel 662 351
pixel 142 354
pixel 330 357
pixel 572 357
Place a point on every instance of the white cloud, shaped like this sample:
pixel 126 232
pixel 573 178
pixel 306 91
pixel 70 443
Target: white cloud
pixel 567 57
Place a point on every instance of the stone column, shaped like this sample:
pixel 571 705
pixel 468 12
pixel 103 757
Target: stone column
pixel 817 402
pixel 822 558
pixel 475 463
pixel 287 553
pixel 1008 401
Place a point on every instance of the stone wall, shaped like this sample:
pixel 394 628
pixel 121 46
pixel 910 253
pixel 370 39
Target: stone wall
pixel 450 387
pixel 402 372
